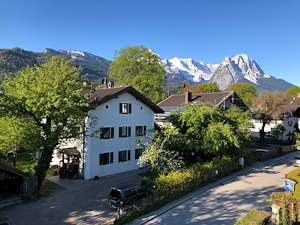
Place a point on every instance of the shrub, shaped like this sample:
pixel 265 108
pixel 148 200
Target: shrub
pixel 180 180
pixel 254 218
pixel 295 176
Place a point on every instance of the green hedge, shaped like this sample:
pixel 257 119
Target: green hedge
pixel 295 176
pixel 254 218
pixel 195 175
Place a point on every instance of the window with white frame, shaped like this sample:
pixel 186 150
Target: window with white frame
pixel 106 132
pixel 124 155
pixel 125 108
pixel 140 130
pixel 124 131
pixel 106 158
pixel 138 152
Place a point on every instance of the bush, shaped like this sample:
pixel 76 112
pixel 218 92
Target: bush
pixel 295 176
pixel 193 176
pixel 254 218
pixel 176 184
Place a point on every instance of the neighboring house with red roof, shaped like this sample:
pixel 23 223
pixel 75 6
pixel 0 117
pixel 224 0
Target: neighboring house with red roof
pixel 176 103
pixel 117 126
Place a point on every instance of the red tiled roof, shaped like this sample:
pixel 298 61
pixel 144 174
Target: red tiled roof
pixel 103 95
pixel 211 99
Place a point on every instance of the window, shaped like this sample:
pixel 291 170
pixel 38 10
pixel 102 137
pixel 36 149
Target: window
pixel 140 130
pixel 138 152
pixel 106 132
pixel 106 158
pixel 124 131
pixel 124 156
pixel 125 108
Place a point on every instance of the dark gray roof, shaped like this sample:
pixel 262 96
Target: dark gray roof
pixel 103 95
pixel 211 99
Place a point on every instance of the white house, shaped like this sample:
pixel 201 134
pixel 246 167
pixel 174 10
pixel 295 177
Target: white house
pixel 288 118
pixel 117 126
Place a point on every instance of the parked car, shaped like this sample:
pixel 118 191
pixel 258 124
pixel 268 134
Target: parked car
pixel 296 161
pixel 127 194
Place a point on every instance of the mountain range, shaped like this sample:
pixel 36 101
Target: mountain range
pixel 240 68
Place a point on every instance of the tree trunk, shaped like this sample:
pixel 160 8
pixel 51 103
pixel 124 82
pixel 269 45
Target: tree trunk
pixel 43 165
pixel 262 132
pixel 50 143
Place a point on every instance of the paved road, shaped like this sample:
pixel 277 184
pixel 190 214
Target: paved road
pixel 76 202
pixel 224 202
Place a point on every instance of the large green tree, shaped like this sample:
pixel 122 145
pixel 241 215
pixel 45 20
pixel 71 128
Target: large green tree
pixel 202 88
pixel 18 134
pixel 51 97
pixel 294 91
pixel 140 68
pixel 214 132
pixel 163 153
pixel 246 91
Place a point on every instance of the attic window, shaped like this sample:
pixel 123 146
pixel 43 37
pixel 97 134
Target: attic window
pixel 125 108
pixel 141 107
pixel 106 106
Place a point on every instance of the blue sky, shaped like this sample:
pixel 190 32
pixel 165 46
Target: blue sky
pixel 267 30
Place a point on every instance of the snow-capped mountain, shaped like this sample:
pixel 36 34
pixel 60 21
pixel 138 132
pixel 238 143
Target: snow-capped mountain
pixel 240 68
pixel 188 69
pixel 93 67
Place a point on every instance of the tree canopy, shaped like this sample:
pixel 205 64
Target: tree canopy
pixel 202 88
pixel 51 97
pixel 247 92
pixel 18 134
pixel 140 68
pixel 294 91
pixel 200 133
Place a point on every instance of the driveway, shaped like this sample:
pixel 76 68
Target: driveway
pixel 76 202
pixel 223 202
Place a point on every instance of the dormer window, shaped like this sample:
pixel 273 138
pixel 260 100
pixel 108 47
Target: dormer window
pixel 125 108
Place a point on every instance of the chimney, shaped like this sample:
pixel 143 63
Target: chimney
pixel 298 95
pixel 187 97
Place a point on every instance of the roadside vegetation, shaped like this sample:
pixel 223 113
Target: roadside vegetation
pixel 205 144
pixel 255 218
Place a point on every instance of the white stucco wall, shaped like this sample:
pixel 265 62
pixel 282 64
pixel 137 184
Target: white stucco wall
pixel 110 117
pixel 288 123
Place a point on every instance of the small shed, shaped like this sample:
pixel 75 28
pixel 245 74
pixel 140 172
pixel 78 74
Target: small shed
pixel 11 180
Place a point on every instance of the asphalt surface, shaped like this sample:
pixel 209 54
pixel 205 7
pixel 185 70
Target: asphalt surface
pixel 223 202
